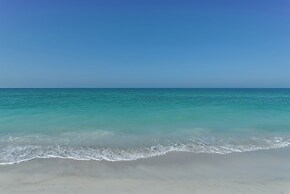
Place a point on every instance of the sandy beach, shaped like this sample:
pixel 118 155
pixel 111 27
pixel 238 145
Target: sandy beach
pixel 256 172
pixel 145 97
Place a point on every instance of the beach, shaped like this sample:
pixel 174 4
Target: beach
pixel 145 97
pixel 161 141
pixel 266 171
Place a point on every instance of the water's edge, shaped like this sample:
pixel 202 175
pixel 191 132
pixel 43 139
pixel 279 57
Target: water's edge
pixel 17 154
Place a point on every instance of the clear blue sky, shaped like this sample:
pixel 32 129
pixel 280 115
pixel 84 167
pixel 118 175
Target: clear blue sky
pixel 150 43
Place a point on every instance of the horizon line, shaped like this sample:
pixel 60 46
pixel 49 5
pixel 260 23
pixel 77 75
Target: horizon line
pixel 144 87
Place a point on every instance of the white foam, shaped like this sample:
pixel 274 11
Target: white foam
pixel 13 154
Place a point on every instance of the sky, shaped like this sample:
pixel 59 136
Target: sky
pixel 144 43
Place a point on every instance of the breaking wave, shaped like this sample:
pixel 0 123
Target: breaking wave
pixel 12 154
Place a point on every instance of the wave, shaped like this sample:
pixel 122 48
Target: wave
pixel 13 154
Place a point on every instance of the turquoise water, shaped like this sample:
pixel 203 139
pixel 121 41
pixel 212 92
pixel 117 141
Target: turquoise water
pixel 128 124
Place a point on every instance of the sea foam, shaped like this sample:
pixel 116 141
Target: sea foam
pixel 13 154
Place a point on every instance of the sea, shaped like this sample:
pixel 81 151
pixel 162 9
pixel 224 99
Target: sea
pixel 130 124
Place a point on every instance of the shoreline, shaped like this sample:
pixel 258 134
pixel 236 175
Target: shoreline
pixel 264 171
pixel 18 154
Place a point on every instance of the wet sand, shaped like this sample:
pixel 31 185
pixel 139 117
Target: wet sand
pixel 179 172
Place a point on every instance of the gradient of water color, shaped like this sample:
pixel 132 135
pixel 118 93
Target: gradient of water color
pixel 128 124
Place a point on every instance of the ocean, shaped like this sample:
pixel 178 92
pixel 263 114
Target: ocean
pixel 129 124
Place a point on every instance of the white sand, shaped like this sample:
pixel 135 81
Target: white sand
pixel 253 172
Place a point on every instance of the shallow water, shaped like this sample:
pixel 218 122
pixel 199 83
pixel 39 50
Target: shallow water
pixel 127 124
